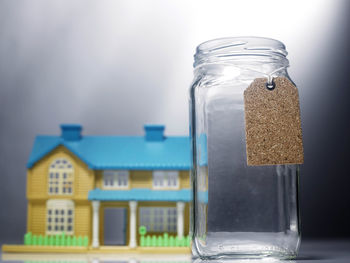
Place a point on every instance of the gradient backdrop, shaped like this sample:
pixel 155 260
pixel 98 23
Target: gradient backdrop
pixel 114 65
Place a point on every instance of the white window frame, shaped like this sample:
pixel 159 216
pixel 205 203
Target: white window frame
pixel 59 217
pixel 166 180
pixel 61 177
pixel 158 219
pixel 116 179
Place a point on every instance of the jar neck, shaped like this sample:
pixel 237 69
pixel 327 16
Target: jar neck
pixel 250 55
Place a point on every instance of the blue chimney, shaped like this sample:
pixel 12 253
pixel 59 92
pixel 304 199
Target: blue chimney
pixel 71 132
pixel 154 133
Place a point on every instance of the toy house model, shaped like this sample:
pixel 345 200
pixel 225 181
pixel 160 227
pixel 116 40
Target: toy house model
pixel 106 187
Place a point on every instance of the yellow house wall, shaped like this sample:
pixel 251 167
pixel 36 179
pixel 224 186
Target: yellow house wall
pixel 37 177
pixel 36 222
pixel 83 217
pixel 184 179
pixel 37 193
pixel 187 219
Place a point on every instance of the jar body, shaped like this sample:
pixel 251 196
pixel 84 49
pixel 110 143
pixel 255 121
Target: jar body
pixel 237 210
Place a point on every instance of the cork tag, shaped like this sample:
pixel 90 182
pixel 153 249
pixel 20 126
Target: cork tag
pixel 272 123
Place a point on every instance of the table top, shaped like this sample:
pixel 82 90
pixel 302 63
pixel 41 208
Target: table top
pixel 323 251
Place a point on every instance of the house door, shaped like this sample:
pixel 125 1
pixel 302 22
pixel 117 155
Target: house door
pixel 115 221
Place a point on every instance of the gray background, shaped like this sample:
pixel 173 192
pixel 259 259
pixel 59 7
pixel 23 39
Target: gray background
pixel 114 65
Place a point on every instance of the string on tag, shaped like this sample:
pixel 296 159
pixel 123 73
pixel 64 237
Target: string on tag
pixel 270 84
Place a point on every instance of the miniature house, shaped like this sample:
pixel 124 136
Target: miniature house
pixel 106 187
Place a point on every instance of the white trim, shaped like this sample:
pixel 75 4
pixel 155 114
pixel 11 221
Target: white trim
pixel 132 239
pixel 95 223
pixel 180 218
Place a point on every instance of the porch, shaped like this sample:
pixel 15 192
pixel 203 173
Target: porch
pixel 132 201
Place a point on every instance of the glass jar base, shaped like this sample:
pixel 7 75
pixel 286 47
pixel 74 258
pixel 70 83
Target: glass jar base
pixel 247 245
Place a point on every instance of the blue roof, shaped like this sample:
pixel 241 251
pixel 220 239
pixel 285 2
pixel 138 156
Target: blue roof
pixel 140 194
pixel 120 152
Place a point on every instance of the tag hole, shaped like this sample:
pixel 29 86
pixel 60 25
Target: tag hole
pixel 270 86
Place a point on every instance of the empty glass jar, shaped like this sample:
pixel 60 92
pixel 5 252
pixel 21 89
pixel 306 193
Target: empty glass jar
pixel 238 210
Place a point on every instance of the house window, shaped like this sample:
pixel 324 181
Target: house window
pixel 158 219
pixel 166 179
pixel 113 179
pixel 59 217
pixel 61 175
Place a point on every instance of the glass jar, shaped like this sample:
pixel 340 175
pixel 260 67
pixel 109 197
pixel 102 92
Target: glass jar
pixel 238 210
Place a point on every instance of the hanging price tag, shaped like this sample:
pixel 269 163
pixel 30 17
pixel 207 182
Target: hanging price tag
pixel 272 123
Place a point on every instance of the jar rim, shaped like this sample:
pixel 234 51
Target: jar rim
pixel 233 49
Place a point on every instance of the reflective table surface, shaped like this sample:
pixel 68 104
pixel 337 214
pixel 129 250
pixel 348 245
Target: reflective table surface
pixel 323 251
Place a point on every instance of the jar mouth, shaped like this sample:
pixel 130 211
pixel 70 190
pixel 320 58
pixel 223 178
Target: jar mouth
pixel 240 49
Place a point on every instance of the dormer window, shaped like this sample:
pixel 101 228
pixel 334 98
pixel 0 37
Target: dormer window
pixel 165 179
pixel 115 179
pixel 60 177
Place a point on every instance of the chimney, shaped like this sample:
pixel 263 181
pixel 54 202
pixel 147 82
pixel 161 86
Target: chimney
pixel 71 132
pixel 154 133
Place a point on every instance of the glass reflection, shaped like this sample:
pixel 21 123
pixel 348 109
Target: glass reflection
pixel 259 260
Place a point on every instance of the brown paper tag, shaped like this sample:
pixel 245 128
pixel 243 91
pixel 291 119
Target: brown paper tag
pixel 272 123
